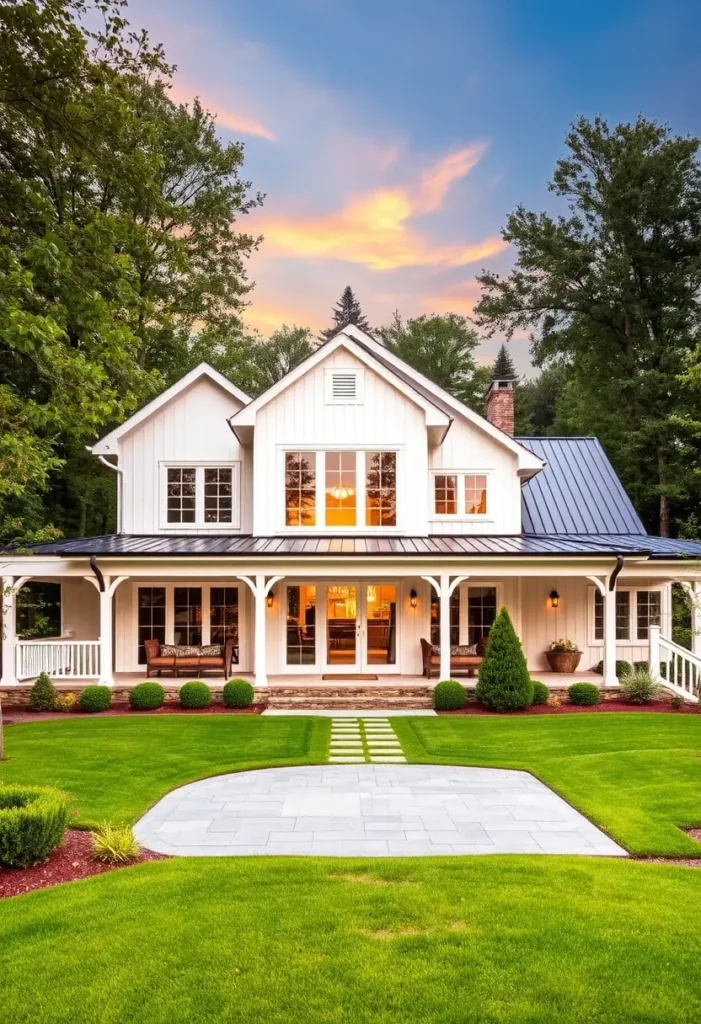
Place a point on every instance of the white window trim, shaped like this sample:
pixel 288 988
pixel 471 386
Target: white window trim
pixel 199 525
pixel 355 371
pixel 360 529
pixel 461 516
pixel 633 620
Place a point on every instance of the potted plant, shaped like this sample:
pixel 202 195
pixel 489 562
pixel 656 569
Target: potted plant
pixel 563 655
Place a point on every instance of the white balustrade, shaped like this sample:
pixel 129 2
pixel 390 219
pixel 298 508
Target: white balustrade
pixel 61 659
pixel 676 668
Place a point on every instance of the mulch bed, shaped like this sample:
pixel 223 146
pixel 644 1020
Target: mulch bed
pixel 17 716
pixel 565 708
pixel 71 861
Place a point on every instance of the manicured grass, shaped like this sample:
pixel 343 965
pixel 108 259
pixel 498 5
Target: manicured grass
pixel 270 941
pixel 638 776
pixel 115 768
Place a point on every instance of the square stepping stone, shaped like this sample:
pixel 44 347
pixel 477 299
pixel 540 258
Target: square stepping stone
pixel 377 759
pixel 346 760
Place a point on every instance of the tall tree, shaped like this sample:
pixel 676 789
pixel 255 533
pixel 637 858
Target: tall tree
pixel 537 403
pixel 116 242
pixel 286 348
pixel 613 288
pixel 347 312
pixel 442 348
pixel 503 367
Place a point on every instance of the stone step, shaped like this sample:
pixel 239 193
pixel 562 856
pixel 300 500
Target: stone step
pixel 330 703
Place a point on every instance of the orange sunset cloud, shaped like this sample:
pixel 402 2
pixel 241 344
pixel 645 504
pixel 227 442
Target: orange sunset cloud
pixel 372 229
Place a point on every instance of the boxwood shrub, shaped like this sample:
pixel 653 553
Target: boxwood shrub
pixel 33 822
pixel 584 694
pixel 42 696
pixel 541 693
pixel 147 697
pixel 195 695
pixel 237 693
pixel 504 682
pixel 623 668
pixel 449 695
pixel 95 698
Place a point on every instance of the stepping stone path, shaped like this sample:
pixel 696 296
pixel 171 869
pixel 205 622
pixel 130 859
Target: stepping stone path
pixel 364 741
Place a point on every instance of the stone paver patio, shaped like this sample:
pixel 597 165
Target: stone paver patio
pixel 369 810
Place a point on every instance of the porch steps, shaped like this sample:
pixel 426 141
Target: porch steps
pixel 350 698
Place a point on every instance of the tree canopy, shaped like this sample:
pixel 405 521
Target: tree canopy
pixel 347 311
pixel 611 291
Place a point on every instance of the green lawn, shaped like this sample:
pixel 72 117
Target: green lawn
pixel 117 767
pixel 421 941
pixel 636 775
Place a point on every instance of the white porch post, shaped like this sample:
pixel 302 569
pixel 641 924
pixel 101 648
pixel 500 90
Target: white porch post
pixel 695 595
pixel 654 651
pixel 106 676
pixel 261 678
pixel 610 677
pixel 9 630
pixel 445 626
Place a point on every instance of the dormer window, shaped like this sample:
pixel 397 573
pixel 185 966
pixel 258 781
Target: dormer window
pixel 352 489
pixel 462 495
pixel 200 496
pixel 344 387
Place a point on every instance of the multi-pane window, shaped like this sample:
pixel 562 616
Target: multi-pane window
pixel 454 619
pixel 649 612
pixel 182 494
pixel 301 625
pixel 224 615
pixel 481 612
pixel 300 488
pixel 381 488
pixel 340 489
pixel 475 495
pixel 623 614
pixel 218 494
pixel 187 612
pixel 446 489
pixel 39 609
pixel 151 617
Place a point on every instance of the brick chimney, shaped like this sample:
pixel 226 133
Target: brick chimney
pixel 500 405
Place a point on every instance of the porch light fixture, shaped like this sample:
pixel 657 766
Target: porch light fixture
pixel 270 599
pixel 412 598
pixel 554 599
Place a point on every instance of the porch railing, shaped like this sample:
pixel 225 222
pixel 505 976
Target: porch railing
pixel 676 668
pixel 61 659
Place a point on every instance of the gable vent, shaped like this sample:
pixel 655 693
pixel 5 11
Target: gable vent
pixel 344 387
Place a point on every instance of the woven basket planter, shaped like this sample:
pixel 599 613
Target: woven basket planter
pixel 563 661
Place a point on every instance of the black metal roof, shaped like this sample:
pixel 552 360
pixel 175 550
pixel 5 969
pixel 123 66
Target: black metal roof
pixel 578 492
pixel 133 545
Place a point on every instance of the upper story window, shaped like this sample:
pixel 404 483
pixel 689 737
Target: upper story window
pixel 636 611
pixel 201 496
pixel 300 488
pixel 460 494
pixel 355 489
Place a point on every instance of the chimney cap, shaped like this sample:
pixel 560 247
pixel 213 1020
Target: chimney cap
pixel 506 384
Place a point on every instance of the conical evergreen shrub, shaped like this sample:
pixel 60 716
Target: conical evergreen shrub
pixel 42 696
pixel 504 682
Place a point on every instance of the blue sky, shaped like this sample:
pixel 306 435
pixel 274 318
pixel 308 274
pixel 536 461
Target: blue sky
pixel 392 138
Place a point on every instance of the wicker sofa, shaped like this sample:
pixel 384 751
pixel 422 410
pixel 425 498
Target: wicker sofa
pixel 461 662
pixel 171 658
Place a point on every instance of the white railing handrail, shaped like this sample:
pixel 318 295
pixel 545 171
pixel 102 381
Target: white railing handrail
pixel 47 640
pixel 685 653
pixel 682 668
pixel 61 659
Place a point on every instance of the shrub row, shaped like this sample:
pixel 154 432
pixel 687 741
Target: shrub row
pixel 147 696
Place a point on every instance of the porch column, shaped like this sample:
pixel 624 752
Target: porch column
pixel 444 594
pixel 9 630
pixel 261 678
pixel 694 590
pixel 610 677
pixel 105 596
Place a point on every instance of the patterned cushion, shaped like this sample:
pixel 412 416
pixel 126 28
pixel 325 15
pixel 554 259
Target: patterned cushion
pixel 212 651
pixel 179 651
pixel 168 650
pixel 463 650
pixel 435 650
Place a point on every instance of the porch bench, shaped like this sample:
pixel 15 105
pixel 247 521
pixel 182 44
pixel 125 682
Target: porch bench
pixel 459 663
pixel 192 659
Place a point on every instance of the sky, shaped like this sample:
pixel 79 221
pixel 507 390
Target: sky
pixel 392 137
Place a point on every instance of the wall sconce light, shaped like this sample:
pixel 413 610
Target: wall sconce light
pixel 270 599
pixel 554 599
pixel 412 598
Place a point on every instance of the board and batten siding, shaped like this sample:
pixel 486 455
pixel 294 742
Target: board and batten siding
pixel 191 428
pixel 301 417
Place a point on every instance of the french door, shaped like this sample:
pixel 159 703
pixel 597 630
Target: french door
pixel 360 627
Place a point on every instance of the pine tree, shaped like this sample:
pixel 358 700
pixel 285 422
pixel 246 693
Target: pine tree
pixel 347 311
pixel 504 682
pixel 42 696
pixel 504 368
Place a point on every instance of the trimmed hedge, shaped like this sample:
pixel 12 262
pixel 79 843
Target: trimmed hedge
pixel 449 695
pixel 147 697
pixel 33 822
pixel 95 698
pixel 541 693
pixel 42 696
pixel 584 694
pixel 237 693
pixel 195 695
pixel 504 682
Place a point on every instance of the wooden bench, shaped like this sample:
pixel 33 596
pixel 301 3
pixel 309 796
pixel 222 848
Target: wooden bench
pixel 198 663
pixel 460 664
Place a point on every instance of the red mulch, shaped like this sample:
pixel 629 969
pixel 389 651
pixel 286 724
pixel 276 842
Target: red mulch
pixel 71 861
pixel 18 715
pixel 565 708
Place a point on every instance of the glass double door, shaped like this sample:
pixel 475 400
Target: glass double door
pixel 361 627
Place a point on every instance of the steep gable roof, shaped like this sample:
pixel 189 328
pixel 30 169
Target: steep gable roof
pixel 578 492
pixel 107 445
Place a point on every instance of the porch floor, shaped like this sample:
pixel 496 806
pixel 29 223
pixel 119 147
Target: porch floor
pixel 554 680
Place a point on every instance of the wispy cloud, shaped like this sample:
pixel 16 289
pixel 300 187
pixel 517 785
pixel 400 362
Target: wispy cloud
pixel 374 230
pixel 232 120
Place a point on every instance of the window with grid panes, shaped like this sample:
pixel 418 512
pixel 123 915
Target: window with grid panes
pixel 182 494
pixel 446 495
pixel 381 488
pixel 217 494
pixel 300 488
